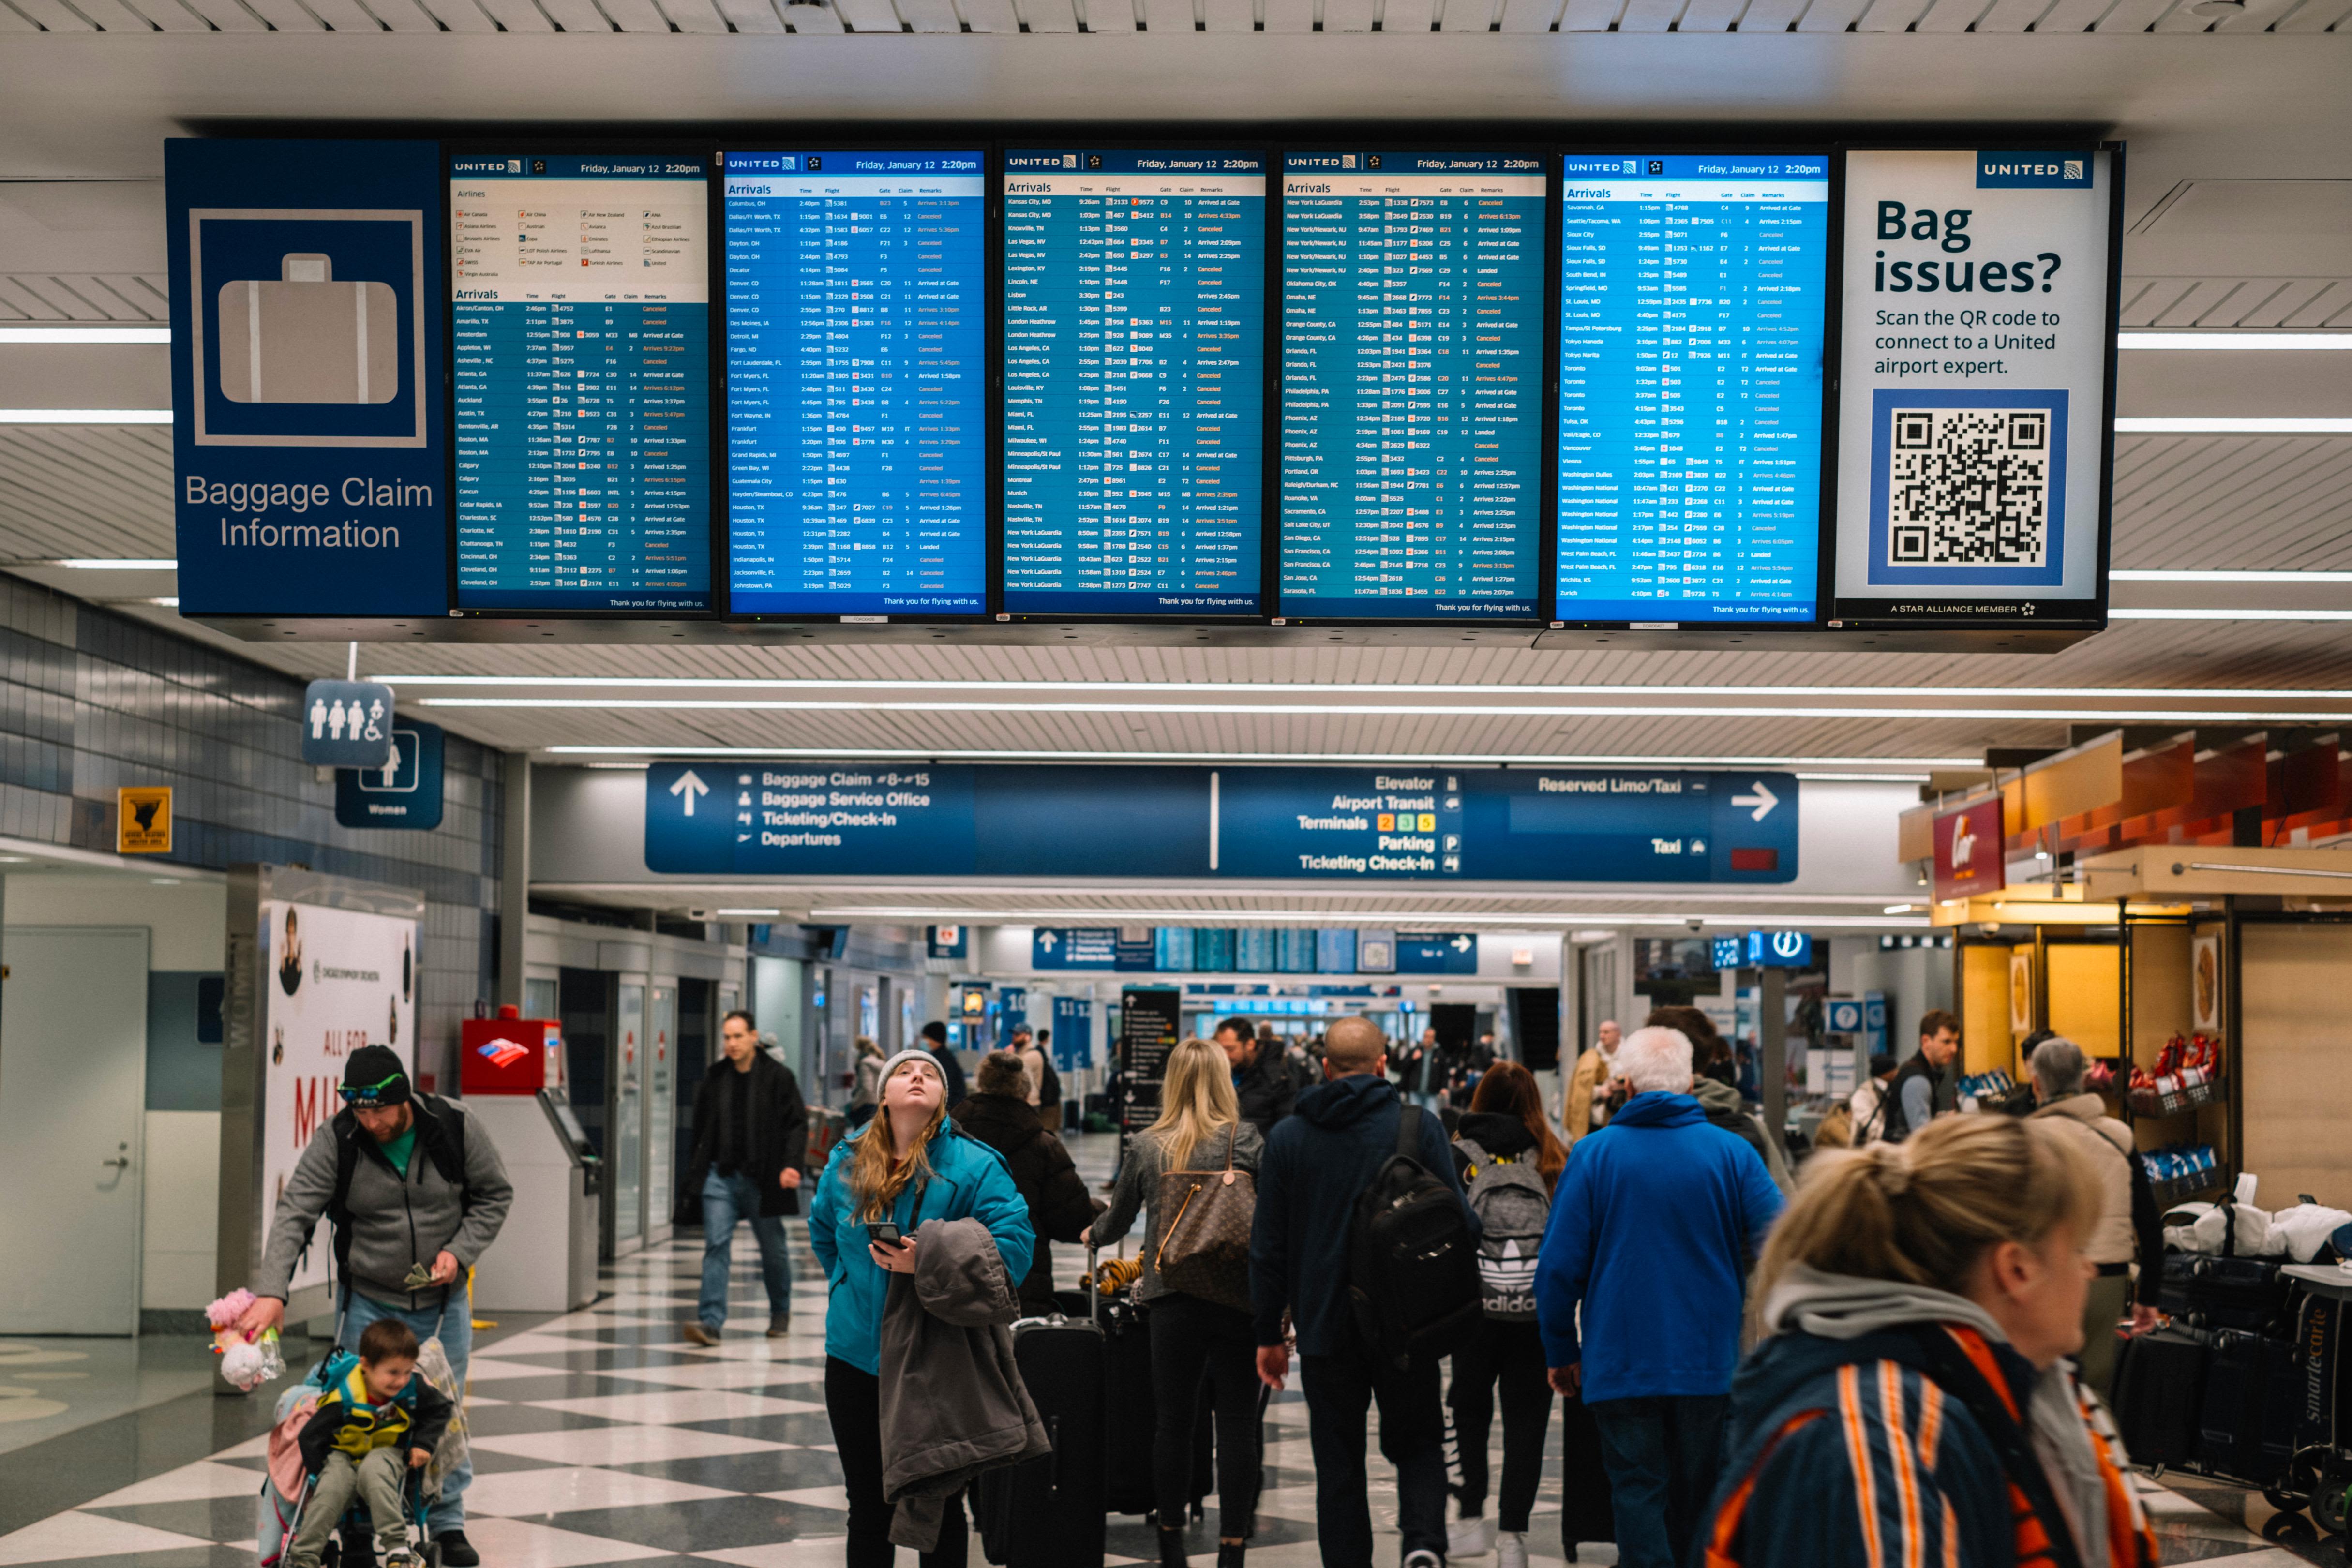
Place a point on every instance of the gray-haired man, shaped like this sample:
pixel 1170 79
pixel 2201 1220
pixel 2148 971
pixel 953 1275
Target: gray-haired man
pixel 2128 1221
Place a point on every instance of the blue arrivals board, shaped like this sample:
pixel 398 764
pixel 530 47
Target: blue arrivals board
pixel 856 358
pixel 308 420
pixel 1413 321
pixel 794 818
pixel 579 358
pixel 1693 300
pixel 1134 381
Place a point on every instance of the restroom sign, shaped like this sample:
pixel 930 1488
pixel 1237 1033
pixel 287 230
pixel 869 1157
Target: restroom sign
pixel 347 723
pixel 142 820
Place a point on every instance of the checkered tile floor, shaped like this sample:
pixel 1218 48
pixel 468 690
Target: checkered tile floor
pixel 600 1437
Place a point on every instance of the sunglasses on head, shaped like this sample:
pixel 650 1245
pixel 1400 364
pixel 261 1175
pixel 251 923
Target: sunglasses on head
pixel 357 1091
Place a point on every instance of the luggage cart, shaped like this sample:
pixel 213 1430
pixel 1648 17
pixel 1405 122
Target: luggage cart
pixel 2320 1474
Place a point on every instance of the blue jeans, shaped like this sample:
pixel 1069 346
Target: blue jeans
pixel 452 1321
pixel 1661 1455
pixel 724 1200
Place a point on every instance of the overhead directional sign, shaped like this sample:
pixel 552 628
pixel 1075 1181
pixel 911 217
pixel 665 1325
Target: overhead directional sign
pixel 1074 948
pixel 1413 824
pixel 1437 953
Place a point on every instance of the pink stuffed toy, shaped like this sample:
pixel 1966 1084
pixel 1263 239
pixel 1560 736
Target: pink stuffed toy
pixel 245 1364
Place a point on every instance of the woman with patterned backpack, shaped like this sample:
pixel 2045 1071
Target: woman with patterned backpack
pixel 1507 1157
pixel 1200 1128
pixel 1912 1400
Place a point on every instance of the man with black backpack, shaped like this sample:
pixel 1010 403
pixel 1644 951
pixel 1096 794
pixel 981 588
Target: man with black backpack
pixel 1364 1234
pixel 415 1194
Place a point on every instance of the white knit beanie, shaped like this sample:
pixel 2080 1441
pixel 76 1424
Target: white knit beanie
pixel 912 1054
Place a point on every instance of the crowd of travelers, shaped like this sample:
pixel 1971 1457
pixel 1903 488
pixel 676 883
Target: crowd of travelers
pixel 1892 1353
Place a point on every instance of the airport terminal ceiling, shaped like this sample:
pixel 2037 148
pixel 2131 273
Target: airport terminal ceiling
pixel 2237 220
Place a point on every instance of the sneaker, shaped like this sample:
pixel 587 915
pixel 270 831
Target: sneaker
pixel 1469 1538
pixel 779 1324
pixel 1424 1558
pixel 1511 1549
pixel 697 1334
pixel 403 1557
pixel 457 1552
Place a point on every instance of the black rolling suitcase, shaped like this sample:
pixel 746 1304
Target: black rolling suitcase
pixel 1586 1512
pixel 2252 1409
pixel 2160 1393
pixel 1126 1384
pixel 1048 1512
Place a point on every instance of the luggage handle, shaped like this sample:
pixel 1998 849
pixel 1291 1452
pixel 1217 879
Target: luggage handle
pixel 306 266
pixel 1094 1284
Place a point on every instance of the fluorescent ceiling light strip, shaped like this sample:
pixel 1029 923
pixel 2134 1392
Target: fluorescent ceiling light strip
pixel 2236 342
pixel 835 888
pixel 1352 688
pixel 2116 614
pixel 1372 759
pixel 81 334
pixel 85 416
pixel 126 564
pixel 2277 579
pixel 2207 424
pixel 1866 777
pixel 1407 917
pixel 727 912
pixel 1429 710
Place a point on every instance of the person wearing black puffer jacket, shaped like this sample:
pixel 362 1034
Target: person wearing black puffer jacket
pixel 997 1113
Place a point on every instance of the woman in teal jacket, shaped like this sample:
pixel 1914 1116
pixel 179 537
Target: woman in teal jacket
pixel 908 1165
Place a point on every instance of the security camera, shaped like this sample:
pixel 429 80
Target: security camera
pixel 1696 923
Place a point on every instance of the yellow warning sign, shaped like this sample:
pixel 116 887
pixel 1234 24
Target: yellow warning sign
pixel 142 820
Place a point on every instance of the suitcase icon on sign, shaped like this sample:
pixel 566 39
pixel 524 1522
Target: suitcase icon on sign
pixel 302 337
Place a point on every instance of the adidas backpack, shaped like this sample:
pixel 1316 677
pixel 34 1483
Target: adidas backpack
pixel 1512 1202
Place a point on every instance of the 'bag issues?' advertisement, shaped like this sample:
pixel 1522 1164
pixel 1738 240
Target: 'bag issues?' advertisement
pixel 1973 409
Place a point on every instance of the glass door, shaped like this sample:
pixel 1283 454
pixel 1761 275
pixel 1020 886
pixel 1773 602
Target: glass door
pixel 629 1114
pixel 661 1107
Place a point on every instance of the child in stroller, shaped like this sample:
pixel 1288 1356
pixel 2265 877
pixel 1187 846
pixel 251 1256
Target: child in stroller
pixel 372 1432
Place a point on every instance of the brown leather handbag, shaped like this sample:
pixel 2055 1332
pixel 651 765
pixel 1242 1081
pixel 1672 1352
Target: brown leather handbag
pixel 1204 1242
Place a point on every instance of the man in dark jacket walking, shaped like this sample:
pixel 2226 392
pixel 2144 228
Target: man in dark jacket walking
pixel 935 1041
pixel 1262 1079
pixel 997 1113
pixel 1316 1164
pixel 751 1138
pixel 1927 1085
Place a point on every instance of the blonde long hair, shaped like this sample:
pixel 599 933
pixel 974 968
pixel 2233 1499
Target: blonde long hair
pixel 1196 1101
pixel 875 1177
pixel 1925 1210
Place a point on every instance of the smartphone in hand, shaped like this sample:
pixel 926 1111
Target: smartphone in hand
pixel 884 1233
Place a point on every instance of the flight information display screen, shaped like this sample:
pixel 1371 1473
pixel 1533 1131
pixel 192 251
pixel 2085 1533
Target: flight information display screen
pixel 579 296
pixel 1134 381
pixel 1694 301
pixel 857 358
pixel 1413 320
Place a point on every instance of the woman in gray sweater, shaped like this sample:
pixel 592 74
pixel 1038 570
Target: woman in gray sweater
pixel 1199 1119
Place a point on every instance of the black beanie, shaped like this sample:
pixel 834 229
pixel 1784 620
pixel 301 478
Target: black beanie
pixel 374 1078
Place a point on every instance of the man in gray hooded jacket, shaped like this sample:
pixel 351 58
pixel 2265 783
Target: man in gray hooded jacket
pixel 424 1197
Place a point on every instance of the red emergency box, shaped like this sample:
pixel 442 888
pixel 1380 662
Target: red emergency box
pixel 511 1054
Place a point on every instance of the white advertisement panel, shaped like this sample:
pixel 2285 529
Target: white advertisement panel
pixel 1974 410
pixel 337 980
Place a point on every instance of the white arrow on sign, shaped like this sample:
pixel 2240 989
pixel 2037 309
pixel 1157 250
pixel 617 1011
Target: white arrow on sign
pixel 1046 940
pixel 690 784
pixel 1763 801
pixel 1460 944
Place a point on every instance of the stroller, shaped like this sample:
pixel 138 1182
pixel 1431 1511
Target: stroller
pixel 286 1491
pixel 353 1543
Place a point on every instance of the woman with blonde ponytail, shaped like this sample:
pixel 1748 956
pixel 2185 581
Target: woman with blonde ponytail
pixel 1911 1401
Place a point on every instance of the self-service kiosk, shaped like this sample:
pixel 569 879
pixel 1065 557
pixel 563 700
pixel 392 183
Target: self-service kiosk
pixel 544 1260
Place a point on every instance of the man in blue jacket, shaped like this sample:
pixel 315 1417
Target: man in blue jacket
pixel 1316 1164
pixel 1653 1226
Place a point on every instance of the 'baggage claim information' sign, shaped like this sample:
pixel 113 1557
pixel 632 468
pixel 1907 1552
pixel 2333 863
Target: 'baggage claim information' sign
pixel 306 376
pixel 789 819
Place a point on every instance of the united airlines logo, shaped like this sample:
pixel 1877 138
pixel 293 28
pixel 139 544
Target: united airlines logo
pixel 503 1053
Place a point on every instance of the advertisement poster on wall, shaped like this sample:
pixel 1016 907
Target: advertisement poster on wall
pixel 1976 402
pixel 338 979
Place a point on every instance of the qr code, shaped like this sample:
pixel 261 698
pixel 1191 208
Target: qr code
pixel 1969 486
